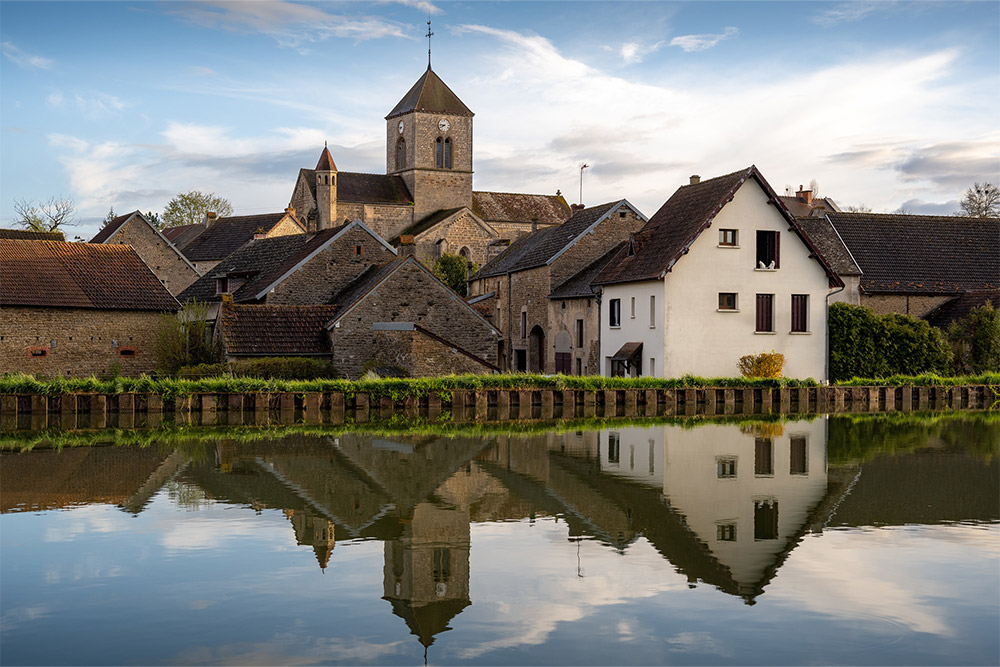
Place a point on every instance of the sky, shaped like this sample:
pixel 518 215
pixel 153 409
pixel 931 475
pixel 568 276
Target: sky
pixel 125 104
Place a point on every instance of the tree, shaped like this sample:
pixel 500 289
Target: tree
pixel 110 216
pixel 975 341
pixel 189 208
pixel 48 216
pixel 982 200
pixel 154 218
pixel 859 208
pixel 453 270
pixel 184 339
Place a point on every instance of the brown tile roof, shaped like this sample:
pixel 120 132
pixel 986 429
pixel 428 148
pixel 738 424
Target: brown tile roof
pixel 227 234
pixel 364 188
pixel 922 254
pixel 111 228
pixel 580 285
pixel 430 94
pixel 826 238
pixel 174 234
pixel 278 331
pixel 29 235
pixel 960 307
pixel 820 206
pixel 516 207
pixel 681 220
pixel 78 275
pixel 326 161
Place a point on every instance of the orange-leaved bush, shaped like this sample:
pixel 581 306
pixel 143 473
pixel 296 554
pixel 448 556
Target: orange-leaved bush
pixel 763 365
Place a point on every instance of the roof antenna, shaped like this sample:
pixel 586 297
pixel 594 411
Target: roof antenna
pixel 428 36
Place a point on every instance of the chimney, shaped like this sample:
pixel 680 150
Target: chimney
pixel 534 224
pixel 261 233
pixel 576 207
pixel 210 218
pixel 805 196
pixel 290 210
pixel 695 179
pixel 407 246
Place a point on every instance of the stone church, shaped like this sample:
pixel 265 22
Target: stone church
pixel 425 198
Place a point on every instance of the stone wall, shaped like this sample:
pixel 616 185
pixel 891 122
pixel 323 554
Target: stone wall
pixel 331 270
pixel 285 227
pixel 529 294
pixel 563 314
pixel 437 189
pixel 77 341
pixel 420 355
pixel 302 198
pixel 452 235
pixel 410 294
pixel 904 304
pixel 612 231
pixel 387 220
pixel 166 263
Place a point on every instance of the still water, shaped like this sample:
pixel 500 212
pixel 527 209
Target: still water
pixel 840 540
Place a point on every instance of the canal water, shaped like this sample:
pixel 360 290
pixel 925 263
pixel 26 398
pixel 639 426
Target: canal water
pixel 831 540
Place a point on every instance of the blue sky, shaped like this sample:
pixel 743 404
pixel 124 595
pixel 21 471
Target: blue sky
pixel 126 104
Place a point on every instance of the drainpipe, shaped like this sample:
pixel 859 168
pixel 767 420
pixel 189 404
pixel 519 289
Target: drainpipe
pixel 510 341
pixel 826 370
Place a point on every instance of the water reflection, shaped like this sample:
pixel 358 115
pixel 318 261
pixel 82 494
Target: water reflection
pixel 723 503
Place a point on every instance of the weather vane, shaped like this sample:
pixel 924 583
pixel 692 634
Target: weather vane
pixel 428 36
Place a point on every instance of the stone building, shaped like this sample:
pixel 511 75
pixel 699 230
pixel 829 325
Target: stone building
pixel 78 309
pixel 207 243
pixel 427 190
pixel 160 255
pixel 548 318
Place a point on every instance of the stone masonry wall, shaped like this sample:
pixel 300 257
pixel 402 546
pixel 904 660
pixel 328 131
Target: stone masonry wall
pixel 85 341
pixel 461 232
pixel 529 292
pixel 915 306
pixel 166 263
pixel 285 227
pixel 331 270
pixel 420 355
pixel 411 294
pixel 593 245
pixel 563 314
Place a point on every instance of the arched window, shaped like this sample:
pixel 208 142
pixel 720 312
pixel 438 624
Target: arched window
pixel 401 153
pixel 464 252
pixel 447 153
pixel 438 155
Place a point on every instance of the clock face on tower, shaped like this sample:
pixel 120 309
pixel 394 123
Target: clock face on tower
pixel 444 125
pixel 400 126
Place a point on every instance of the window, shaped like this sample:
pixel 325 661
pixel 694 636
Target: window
pixel 614 448
pixel 799 464
pixel 768 246
pixel 442 565
pixel 358 250
pixel 631 311
pixel 800 313
pixel 521 360
pixel 652 311
pixel 524 324
pixel 579 333
pixel 615 312
pixel 401 154
pixel 222 285
pixel 447 153
pixel 725 467
pixel 728 237
pixel 765 313
pixel 725 532
pixel 579 366
pixel 652 367
pixel 765 519
pixel 763 456
pixel 38 352
pixel 438 153
pixel 126 352
pixel 727 301
pixel 564 361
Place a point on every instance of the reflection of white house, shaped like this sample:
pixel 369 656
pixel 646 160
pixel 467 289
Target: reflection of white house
pixel 721 271
pixel 635 453
pixel 746 492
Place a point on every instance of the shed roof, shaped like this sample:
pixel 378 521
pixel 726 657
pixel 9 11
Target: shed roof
pixel 262 330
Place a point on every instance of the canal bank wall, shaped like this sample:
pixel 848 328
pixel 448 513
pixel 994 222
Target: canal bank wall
pixel 131 410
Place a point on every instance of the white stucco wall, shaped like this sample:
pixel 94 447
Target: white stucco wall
pixel 693 336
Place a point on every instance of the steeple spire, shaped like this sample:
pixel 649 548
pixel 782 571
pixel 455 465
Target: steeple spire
pixel 428 36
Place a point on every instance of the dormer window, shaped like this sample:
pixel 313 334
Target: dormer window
pixel 222 285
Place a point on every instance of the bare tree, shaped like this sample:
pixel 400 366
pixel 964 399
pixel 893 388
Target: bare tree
pixel 982 200
pixel 47 216
pixel 859 208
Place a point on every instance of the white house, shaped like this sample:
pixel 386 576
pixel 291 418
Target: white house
pixel 721 271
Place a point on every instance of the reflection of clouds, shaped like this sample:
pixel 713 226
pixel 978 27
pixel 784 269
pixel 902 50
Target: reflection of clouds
pixel 698 642
pixel 11 619
pixel 72 523
pixel 187 535
pixel 889 577
pixel 551 592
pixel 286 649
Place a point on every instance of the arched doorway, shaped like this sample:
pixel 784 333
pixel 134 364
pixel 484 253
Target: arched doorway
pixel 536 350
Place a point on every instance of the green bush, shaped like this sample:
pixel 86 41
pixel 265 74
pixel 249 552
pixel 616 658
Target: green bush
pixel 975 341
pixel 277 368
pixel 863 344
pixel 184 338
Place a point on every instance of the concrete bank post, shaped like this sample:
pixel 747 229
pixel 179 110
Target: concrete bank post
pixel 589 403
pixel 503 404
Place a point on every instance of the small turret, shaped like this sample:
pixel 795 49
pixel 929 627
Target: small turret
pixel 326 189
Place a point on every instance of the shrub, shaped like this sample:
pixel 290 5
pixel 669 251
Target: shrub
pixel 863 344
pixel 277 368
pixel 184 338
pixel 975 341
pixel 763 365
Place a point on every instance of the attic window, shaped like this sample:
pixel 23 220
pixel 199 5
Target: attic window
pixel 631 247
pixel 621 214
pixel 222 285
pixel 359 249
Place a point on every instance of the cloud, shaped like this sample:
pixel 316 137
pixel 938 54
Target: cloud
pixel 423 5
pixel 692 43
pixel 290 24
pixel 849 12
pixel 22 59
pixel 201 71
pixel 92 106
pixel 633 52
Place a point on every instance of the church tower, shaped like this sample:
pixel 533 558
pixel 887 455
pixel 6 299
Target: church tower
pixel 429 145
pixel 326 190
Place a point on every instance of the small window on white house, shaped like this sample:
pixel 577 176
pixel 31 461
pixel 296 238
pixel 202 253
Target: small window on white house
pixel 631 311
pixel 728 237
pixel 652 311
pixel 727 301
pixel 615 312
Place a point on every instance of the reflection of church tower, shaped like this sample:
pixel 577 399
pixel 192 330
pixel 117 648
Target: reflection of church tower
pixel 426 574
pixel 314 531
pixel 429 144
pixel 326 190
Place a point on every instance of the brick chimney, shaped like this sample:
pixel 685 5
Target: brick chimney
pixel 805 196
pixel 576 207
pixel 695 179
pixel 211 217
pixel 261 233
pixel 407 246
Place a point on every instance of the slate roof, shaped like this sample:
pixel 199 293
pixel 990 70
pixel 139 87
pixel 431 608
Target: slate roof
pixel 681 220
pixel 516 207
pixel 174 233
pixel 29 235
pixel 279 331
pixel 78 275
pixel 430 94
pixel 538 248
pixel 960 307
pixel 826 238
pixel 364 188
pixel 427 223
pixel 227 234
pixel 922 254
pixel 110 228
pixel 820 206
pixel 580 285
